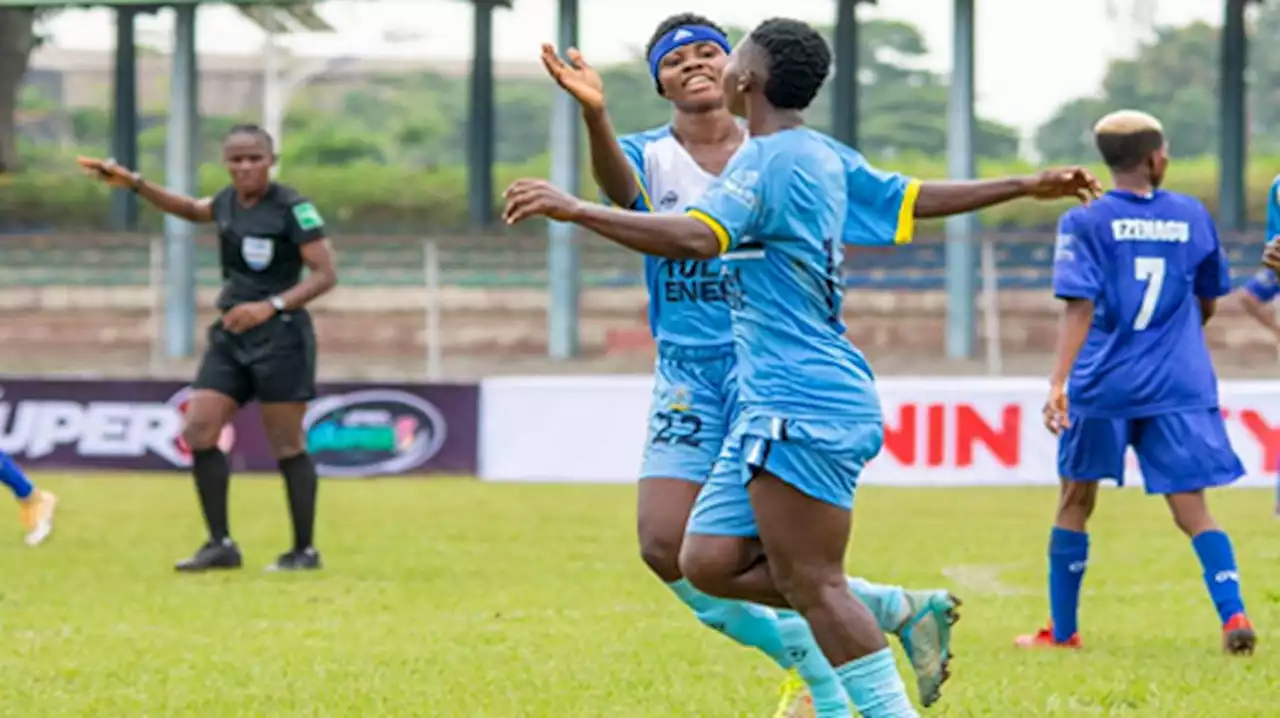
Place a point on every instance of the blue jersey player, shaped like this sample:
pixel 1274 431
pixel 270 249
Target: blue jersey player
pixel 778 504
pixel 1140 271
pixel 695 389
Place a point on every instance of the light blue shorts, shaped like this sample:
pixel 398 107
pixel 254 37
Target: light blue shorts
pixel 821 459
pixel 1177 452
pixel 695 400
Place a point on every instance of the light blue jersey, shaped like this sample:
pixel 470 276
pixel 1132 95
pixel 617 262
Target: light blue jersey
pixel 780 213
pixel 695 396
pixel 810 412
pixel 686 296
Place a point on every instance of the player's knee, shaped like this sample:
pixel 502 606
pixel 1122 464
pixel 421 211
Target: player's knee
pixel 660 551
pixel 1076 501
pixel 201 432
pixel 809 586
pixel 705 568
pixel 1191 513
pixel 286 442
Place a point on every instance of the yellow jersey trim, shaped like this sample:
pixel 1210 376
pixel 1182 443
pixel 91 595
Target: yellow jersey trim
pixel 907 214
pixel 721 234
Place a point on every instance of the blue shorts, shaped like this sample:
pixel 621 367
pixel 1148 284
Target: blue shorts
pixel 695 400
pixel 821 459
pixel 1177 452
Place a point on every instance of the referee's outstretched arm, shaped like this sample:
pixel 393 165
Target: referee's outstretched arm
pixel 192 209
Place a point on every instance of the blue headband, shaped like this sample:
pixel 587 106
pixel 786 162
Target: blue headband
pixel 678 37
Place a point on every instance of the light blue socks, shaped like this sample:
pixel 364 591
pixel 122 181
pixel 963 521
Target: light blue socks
pixel 875 687
pixel 829 697
pixel 746 623
pixel 887 603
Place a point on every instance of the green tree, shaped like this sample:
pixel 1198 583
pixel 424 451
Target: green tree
pixel 1174 77
pixel 18 38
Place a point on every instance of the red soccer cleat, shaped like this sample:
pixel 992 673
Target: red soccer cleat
pixel 1238 636
pixel 1044 639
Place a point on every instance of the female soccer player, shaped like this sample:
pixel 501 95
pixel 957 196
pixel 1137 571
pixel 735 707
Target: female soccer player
pixel 772 523
pixel 36 506
pixel 695 395
pixel 263 346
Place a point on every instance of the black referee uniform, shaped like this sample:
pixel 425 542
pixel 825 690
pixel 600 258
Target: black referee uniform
pixel 261 259
pixel 273 362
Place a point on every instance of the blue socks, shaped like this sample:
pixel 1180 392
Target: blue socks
pixel 1221 576
pixel 829 697
pixel 1068 557
pixel 12 476
pixel 887 603
pixel 746 623
pixel 875 687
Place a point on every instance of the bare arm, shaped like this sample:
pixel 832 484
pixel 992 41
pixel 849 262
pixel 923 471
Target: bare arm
pixel 1259 311
pixel 1077 318
pixel 179 205
pixel 676 236
pixel 613 173
pixel 943 199
pixel 321 275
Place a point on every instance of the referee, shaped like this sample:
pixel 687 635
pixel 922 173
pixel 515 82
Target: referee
pixel 263 346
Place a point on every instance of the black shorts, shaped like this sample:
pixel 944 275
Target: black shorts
pixel 275 362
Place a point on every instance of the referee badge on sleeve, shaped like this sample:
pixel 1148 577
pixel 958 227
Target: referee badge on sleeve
pixel 257 252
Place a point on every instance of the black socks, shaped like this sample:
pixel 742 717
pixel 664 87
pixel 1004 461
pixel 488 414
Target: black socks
pixel 213 479
pixel 301 483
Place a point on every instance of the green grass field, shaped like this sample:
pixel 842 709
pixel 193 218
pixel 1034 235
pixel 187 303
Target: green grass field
pixel 454 598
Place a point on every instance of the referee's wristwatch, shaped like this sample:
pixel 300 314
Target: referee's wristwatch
pixel 277 302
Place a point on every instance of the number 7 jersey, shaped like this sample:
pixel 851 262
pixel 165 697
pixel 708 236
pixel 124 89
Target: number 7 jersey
pixel 1145 261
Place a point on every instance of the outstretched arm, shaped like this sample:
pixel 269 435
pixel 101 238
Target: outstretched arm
pixel 943 199
pixel 191 209
pixel 678 236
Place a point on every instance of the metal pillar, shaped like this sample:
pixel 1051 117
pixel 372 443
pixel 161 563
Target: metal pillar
pixel 124 121
pixel 1232 213
pixel 273 99
pixel 961 252
pixel 562 252
pixel 481 126
pixel 180 176
pixel 844 122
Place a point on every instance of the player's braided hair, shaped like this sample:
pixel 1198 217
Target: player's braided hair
pixel 799 62
pixel 673 22
pixel 256 131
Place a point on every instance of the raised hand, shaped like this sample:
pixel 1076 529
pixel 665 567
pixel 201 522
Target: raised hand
pixel 575 76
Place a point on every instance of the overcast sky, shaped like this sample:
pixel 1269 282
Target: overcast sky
pixel 1032 54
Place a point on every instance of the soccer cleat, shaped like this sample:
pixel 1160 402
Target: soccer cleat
pixel 794 700
pixel 926 638
pixel 37 516
pixel 214 555
pixel 1238 636
pixel 1044 639
pixel 307 559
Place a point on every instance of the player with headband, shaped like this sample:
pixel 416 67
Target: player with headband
pixel 695 394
